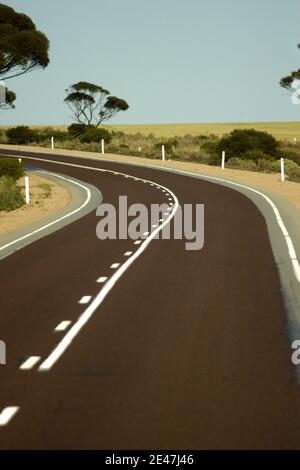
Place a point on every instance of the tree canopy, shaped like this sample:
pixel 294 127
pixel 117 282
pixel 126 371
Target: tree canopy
pixel 287 82
pixel 92 104
pixel 22 46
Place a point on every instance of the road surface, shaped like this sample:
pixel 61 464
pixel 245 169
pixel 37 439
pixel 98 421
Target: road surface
pixel 187 351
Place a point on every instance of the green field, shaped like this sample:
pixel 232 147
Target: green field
pixel 280 130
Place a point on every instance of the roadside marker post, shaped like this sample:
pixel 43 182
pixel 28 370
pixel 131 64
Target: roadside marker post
pixel 282 170
pixel 52 143
pixel 295 141
pixel 20 160
pixel 102 146
pixel 27 197
pixel 223 160
pixel 163 153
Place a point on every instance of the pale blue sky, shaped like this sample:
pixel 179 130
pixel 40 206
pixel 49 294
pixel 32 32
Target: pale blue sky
pixel 173 61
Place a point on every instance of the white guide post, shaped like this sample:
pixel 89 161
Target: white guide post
pixel 282 170
pixel 163 153
pixel 52 143
pixel 223 160
pixel 27 197
pixel 102 146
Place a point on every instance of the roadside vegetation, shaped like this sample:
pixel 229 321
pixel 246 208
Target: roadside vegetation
pixel 246 149
pixel 10 193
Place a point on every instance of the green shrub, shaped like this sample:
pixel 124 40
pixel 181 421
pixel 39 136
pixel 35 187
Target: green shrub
pixel 256 155
pixel 46 133
pixel 10 194
pixel 294 175
pixel 210 147
pixel 95 134
pixel 21 135
pixel 76 129
pixel 241 164
pixel 11 167
pixel 240 141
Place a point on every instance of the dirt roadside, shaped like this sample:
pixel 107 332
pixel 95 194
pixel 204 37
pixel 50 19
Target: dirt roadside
pixel 46 197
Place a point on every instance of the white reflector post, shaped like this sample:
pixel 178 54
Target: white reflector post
pixel 52 143
pixel 223 160
pixel 282 170
pixel 102 146
pixel 27 198
pixel 163 153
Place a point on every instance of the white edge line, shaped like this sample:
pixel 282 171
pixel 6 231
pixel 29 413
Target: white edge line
pixel 285 233
pixel 295 262
pixel 56 220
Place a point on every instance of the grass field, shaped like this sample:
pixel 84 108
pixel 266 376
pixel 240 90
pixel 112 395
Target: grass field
pixel 280 130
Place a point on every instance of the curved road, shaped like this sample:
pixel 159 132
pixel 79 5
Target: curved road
pixel 188 350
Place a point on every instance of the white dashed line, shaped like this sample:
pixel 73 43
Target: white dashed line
pixel 128 253
pixel 115 265
pixel 30 362
pixel 154 225
pixel 85 299
pixel 145 234
pixel 62 326
pixel 101 279
pixel 60 348
pixel 7 414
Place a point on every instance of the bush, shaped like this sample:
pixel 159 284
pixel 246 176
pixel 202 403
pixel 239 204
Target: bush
pixel 256 155
pixel 240 141
pixel 75 129
pixel 294 175
pixel 241 164
pixel 10 194
pixel 95 134
pixel 21 135
pixel 11 167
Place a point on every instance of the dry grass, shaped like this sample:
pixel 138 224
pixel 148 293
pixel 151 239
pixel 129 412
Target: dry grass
pixel 280 130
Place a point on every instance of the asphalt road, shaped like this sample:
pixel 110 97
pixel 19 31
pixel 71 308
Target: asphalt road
pixel 188 350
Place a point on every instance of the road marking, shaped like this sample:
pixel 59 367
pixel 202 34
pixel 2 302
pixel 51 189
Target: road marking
pixel 85 299
pixel 115 265
pixel 7 414
pixel 154 225
pixel 30 362
pixel 294 261
pixel 128 253
pixel 97 301
pixel 101 279
pixel 57 220
pixel 137 242
pixel 62 326
pixel 145 234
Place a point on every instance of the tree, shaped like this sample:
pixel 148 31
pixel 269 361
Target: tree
pixel 92 104
pixel 288 81
pixel 22 47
